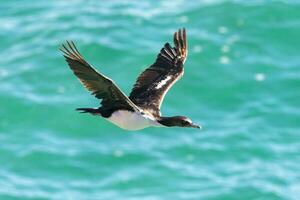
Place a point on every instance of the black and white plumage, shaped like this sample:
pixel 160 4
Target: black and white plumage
pixel 142 108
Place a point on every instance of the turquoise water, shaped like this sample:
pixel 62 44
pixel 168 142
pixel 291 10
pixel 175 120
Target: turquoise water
pixel 241 84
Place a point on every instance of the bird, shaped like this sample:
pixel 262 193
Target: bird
pixel 141 109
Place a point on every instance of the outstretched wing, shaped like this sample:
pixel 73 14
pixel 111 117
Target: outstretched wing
pixel 152 84
pixel 101 87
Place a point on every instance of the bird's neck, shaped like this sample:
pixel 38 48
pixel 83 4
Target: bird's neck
pixel 168 121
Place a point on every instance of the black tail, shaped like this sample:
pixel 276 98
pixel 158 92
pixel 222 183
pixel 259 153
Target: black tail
pixel 93 111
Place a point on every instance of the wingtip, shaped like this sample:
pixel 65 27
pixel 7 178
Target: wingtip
pixel 181 30
pixel 180 42
pixel 70 51
pixel 64 49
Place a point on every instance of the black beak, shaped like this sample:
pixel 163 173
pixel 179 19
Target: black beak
pixel 195 126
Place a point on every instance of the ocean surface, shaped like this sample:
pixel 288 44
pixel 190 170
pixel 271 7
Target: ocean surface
pixel 241 83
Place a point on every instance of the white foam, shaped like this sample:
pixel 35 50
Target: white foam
pixel 197 49
pixel 260 77
pixel 225 48
pixel 223 30
pixel 224 60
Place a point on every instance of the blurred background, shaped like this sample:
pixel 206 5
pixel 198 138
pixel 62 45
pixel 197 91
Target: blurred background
pixel 241 84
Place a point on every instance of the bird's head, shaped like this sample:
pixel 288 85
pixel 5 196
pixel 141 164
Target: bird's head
pixel 180 121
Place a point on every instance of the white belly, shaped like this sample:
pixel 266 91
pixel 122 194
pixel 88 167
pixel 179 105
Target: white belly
pixel 131 120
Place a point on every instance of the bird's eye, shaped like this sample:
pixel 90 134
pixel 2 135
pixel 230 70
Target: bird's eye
pixel 185 122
